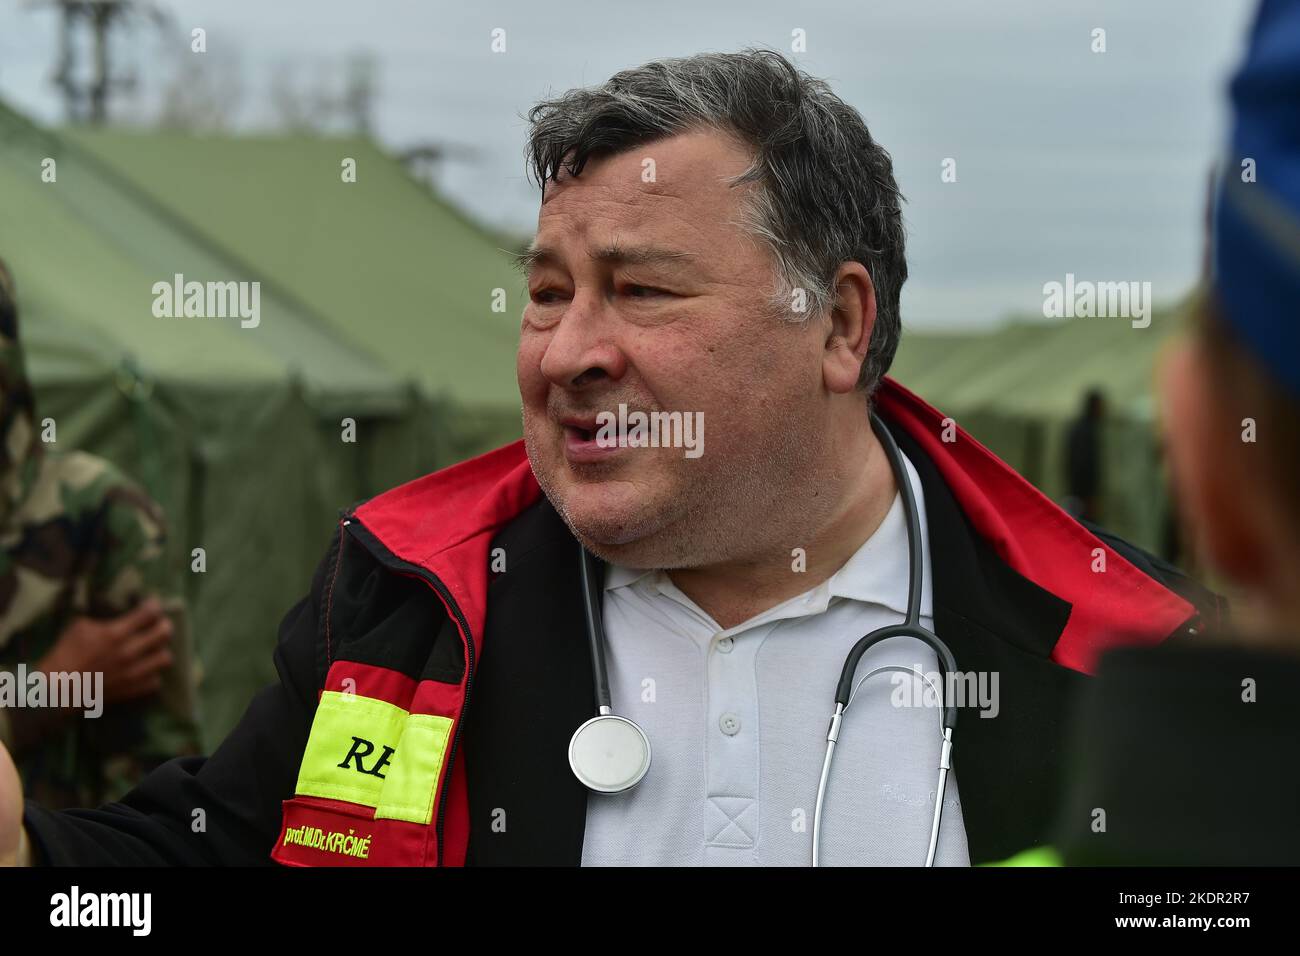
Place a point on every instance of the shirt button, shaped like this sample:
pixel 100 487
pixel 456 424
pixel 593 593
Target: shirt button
pixel 730 724
pixel 725 644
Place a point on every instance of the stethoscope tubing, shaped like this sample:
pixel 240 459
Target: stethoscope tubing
pixel 591 585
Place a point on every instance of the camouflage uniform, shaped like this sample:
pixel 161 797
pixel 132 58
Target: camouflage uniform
pixel 77 538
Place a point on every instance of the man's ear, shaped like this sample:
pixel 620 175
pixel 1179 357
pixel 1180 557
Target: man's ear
pixel 852 317
pixel 1215 494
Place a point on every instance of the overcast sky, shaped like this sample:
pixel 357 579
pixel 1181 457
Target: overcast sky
pixel 1067 160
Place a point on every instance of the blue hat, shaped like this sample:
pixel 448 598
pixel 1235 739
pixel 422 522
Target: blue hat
pixel 1256 230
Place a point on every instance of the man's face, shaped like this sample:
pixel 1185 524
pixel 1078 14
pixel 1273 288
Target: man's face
pixel 651 295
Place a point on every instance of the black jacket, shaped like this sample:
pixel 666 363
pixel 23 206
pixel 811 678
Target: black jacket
pixel 512 650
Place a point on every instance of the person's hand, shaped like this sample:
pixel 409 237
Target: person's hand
pixel 131 651
pixel 13 838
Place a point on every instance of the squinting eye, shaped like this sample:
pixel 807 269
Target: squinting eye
pixel 642 291
pixel 543 297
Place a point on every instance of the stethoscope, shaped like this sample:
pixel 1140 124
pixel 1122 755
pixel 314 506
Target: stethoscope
pixel 610 754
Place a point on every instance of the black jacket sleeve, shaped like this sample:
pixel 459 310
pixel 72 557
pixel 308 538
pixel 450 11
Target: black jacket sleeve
pixel 218 810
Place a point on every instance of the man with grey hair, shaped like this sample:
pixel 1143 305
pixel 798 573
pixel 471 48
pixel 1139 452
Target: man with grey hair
pixel 719 241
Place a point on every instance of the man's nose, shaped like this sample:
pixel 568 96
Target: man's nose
pixel 582 348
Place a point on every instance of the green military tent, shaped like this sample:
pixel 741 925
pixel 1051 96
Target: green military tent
pixel 1017 388
pixel 385 318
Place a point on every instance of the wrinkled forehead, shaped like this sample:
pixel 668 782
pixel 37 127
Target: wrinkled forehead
pixel 685 182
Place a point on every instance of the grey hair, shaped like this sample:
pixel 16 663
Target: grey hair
pixel 826 191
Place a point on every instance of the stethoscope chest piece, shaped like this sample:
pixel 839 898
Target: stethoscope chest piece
pixel 609 753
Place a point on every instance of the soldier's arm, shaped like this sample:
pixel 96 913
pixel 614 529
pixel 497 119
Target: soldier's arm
pixel 224 809
pixel 120 648
pixel 130 566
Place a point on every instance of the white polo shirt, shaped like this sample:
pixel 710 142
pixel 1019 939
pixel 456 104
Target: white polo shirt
pixel 737 722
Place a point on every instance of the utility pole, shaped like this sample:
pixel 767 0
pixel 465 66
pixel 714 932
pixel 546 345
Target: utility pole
pixel 87 101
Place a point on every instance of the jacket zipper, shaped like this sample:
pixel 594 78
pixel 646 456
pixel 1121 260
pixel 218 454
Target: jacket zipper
pixel 386 557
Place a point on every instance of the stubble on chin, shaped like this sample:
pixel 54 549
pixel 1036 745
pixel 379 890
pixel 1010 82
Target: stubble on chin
pixel 690 519
pixel 636 532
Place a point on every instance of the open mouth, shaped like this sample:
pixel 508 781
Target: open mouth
pixel 582 442
pixel 580 428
